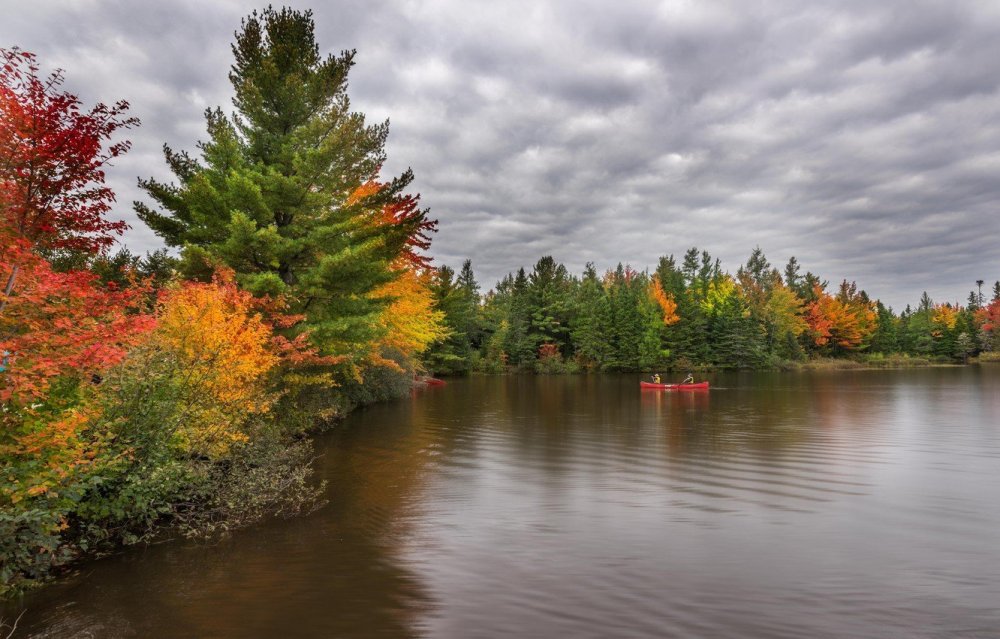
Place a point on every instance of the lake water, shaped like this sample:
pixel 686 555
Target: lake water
pixel 844 504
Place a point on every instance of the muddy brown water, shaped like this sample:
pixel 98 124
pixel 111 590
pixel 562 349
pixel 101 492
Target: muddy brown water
pixel 841 504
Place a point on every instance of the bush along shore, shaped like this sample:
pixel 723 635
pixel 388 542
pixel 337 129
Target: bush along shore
pixel 174 393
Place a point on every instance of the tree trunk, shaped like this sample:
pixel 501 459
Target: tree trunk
pixel 8 288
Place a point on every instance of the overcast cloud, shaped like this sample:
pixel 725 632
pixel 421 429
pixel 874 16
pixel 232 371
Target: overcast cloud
pixel 863 138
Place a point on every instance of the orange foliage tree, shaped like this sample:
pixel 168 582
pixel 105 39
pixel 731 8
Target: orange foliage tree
pixel 665 301
pixel 409 322
pixel 845 321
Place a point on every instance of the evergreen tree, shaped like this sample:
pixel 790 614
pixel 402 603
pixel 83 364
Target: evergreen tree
pixel 904 337
pixel 964 346
pixel 965 324
pixel 808 285
pixel 759 285
pixel 285 190
pixel 158 265
pixel 709 272
pixel 117 268
pixel 469 287
pixel 467 281
pixel 738 337
pixel 792 277
pixel 689 267
pixel 589 324
pixel 453 354
pixel 549 305
pixel 926 303
pixel 652 352
pixel 973 301
pixel 626 321
pixel 686 339
pixel 495 314
pixel 519 345
pixel 757 269
pixel 885 339
pixel 919 327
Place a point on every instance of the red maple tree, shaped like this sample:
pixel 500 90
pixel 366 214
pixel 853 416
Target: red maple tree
pixel 52 159
pixel 53 197
pixel 63 324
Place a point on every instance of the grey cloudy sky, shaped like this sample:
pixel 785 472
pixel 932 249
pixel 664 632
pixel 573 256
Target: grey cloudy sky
pixel 861 137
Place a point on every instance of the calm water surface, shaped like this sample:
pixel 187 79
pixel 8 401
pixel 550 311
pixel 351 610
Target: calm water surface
pixel 850 504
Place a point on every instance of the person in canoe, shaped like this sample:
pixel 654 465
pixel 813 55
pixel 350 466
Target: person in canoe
pixel 689 379
pixel 656 378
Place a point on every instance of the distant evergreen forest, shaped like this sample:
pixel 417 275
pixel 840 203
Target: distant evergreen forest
pixel 689 314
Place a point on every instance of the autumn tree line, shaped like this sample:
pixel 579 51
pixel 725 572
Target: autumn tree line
pixel 690 314
pixel 172 393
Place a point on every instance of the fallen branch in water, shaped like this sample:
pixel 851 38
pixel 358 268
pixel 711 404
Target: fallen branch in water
pixel 13 629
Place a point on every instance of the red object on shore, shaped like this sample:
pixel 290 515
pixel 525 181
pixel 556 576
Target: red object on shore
pixel 433 381
pixel 698 386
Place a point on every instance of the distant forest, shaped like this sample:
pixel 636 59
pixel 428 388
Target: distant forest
pixel 689 314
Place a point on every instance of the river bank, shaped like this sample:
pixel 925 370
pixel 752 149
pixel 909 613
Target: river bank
pixel 876 361
pixel 148 490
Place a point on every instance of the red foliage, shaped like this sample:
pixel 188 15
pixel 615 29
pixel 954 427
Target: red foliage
pixel 548 351
pixel 62 324
pixel 816 316
pixel 989 316
pixel 848 319
pixel 403 211
pixel 52 159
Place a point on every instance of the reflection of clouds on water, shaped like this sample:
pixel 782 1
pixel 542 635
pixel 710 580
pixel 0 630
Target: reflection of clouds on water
pixel 775 505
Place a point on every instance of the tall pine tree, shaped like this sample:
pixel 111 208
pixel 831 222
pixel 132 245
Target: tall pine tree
pixel 285 191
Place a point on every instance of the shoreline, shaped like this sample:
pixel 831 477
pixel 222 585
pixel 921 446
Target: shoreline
pixel 817 364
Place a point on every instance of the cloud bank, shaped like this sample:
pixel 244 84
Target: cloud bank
pixel 862 138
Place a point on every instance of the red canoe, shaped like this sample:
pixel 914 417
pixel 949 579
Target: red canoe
pixel 431 381
pixel 698 386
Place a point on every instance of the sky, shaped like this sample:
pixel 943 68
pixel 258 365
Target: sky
pixel 861 137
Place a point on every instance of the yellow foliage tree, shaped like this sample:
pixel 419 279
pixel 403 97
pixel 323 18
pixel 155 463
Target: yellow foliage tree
pixel 410 321
pixel 719 291
pixel 222 350
pixel 784 311
pixel 944 316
